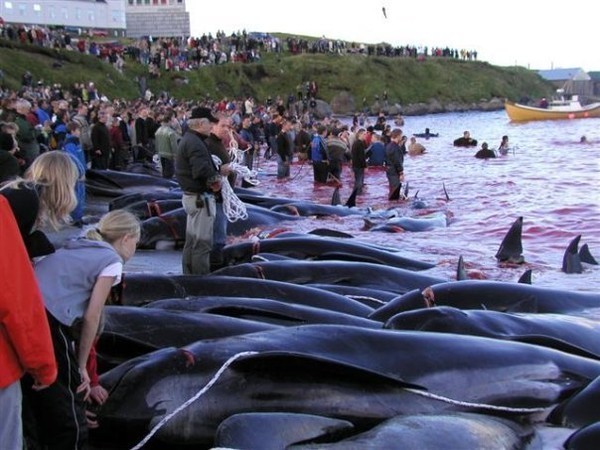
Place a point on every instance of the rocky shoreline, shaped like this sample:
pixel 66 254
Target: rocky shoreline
pixel 345 104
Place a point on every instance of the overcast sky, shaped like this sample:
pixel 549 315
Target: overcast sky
pixel 531 33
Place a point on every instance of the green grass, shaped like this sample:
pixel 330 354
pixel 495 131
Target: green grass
pixel 406 80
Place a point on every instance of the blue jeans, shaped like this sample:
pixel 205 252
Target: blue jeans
pixel 283 168
pixel 11 427
pixel 77 213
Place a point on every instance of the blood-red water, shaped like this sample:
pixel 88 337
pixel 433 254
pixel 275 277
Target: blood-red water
pixel 548 177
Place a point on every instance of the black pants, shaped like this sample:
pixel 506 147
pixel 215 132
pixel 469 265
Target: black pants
pixel 168 168
pixel 320 169
pixel 54 418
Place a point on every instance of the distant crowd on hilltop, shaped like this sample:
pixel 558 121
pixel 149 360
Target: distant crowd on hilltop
pixel 181 54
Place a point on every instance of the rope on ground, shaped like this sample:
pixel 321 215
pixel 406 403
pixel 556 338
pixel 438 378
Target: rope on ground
pixel 475 405
pixel 193 399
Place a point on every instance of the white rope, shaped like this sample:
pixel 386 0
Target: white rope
pixel 191 400
pixel 233 208
pixel 475 405
pixel 426 394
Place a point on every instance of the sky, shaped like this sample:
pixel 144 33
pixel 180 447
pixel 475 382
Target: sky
pixel 528 33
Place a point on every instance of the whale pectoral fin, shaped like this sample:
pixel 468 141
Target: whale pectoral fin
pixel 526 305
pixel 555 343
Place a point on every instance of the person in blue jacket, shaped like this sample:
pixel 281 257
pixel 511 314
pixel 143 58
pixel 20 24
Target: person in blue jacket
pixel 72 146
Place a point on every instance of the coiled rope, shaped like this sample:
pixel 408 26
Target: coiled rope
pixel 213 380
pixel 233 208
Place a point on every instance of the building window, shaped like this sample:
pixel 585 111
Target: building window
pixel 8 5
pixel 65 14
pixel 22 9
pixel 117 16
pixel 131 2
pixel 78 13
pixel 91 15
pixel 37 7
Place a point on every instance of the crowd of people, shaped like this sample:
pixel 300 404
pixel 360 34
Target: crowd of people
pixel 190 53
pixel 50 136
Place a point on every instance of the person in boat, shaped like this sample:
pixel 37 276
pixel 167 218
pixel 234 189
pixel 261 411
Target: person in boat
pixel 485 152
pixel 544 103
pixel 503 147
pixel 414 148
pixel 399 120
pixel 465 141
pixel 426 135
pixel 584 140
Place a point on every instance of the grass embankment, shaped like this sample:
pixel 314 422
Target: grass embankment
pixel 406 80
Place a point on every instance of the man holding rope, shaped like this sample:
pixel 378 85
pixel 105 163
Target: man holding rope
pixel 199 179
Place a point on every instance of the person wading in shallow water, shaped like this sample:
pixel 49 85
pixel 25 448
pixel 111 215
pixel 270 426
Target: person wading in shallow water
pixel 485 152
pixel 394 160
pixel 318 155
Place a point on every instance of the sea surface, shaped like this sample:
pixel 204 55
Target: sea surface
pixel 549 178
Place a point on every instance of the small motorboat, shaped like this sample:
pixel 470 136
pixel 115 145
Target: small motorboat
pixel 560 108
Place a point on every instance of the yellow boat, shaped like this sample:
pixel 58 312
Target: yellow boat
pixel 559 109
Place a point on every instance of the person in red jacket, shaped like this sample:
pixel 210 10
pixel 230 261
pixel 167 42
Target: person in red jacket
pixel 25 343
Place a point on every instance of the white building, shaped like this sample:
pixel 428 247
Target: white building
pixel 101 16
pixel 157 18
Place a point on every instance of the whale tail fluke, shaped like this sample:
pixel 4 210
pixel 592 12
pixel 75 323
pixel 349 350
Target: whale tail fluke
pixel 351 202
pixel 335 198
pixel 446 192
pixel 585 255
pixel 461 273
pixel 395 195
pixel 571 259
pixel 526 277
pixel 511 248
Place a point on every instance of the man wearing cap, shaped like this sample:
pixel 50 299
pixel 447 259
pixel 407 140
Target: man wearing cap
pixel 199 180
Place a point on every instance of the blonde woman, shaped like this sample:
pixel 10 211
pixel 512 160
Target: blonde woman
pixel 43 199
pixel 75 282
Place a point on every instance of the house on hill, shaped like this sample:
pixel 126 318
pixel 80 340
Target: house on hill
pixel 572 81
pixel 595 76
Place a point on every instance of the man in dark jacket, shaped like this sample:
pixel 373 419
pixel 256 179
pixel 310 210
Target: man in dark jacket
pixel 394 159
pixel 359 160
pixel 101 147
pixel 199 180
pixel 284 150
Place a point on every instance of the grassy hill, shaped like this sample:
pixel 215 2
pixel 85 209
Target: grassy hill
pixel 406 80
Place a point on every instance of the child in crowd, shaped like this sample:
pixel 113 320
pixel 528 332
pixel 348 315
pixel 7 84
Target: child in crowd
pixel 75 282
